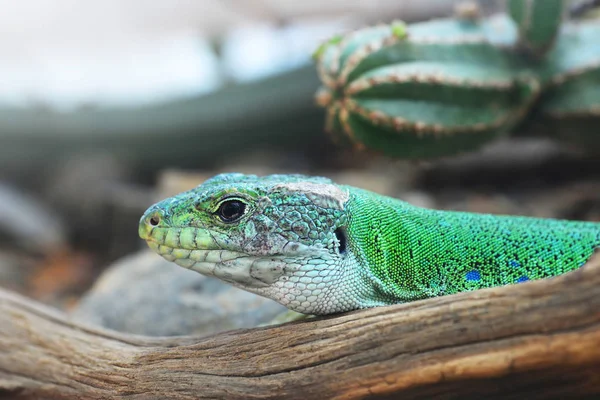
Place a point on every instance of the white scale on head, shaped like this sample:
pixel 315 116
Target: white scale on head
pixel 321 194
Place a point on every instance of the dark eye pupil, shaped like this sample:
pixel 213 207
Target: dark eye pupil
pixel 231 210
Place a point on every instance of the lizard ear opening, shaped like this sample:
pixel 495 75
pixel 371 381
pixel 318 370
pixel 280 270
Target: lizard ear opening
pixel 341 237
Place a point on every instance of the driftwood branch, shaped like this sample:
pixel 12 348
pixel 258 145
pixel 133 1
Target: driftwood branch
pixel 535 340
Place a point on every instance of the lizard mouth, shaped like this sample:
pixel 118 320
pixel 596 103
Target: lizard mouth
pixel 187 257
pixel 237 268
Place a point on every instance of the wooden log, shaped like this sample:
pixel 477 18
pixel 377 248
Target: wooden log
pixel 536 340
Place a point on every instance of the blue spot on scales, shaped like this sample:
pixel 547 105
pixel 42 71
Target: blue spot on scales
pixel 514 263
pixel 445 224
pixel 473 275
pixel 575 235
pixel 523 279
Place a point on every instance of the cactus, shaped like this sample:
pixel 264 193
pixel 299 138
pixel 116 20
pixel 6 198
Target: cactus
pixel 538 21
pixel 432 89
pixel 570 107
pixel 448 86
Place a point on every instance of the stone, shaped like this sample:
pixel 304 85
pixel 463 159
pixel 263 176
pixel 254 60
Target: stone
pixel 147 295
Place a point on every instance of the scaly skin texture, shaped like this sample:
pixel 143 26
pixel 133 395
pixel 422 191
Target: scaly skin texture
pixel 321 248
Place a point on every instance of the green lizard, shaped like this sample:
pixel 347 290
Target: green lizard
pixel 321 248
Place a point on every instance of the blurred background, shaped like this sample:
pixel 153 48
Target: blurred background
pixel 108 106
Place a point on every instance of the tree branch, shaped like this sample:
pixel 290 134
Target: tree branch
pixel 534 340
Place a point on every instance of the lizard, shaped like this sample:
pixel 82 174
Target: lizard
pixel 321 248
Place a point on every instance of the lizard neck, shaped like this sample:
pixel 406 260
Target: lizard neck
pixel 381 236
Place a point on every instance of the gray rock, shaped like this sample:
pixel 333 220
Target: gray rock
pixel 29 224
pixel 145 294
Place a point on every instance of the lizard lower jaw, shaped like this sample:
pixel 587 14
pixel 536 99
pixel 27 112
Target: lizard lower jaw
pixel 237 268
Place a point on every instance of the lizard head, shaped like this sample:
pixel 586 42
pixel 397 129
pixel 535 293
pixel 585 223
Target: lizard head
pixel 279 236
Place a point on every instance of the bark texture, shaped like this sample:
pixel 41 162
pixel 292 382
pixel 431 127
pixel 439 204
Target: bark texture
pixel 537 340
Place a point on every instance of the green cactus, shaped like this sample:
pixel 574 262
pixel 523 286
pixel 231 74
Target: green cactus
pixel 431 89
pixel 538 21
pixel 448 86
pixel 570 107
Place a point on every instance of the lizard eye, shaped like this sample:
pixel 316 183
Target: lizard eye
pixel 231 210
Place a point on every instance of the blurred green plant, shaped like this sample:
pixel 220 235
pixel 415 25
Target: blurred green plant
pixel 447 86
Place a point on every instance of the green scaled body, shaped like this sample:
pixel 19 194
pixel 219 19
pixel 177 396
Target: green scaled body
pixel 417 253
pixel 321 248
pixel 426 90
pixel 538 21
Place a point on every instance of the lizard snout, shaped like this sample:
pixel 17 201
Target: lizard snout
pixel 152 218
